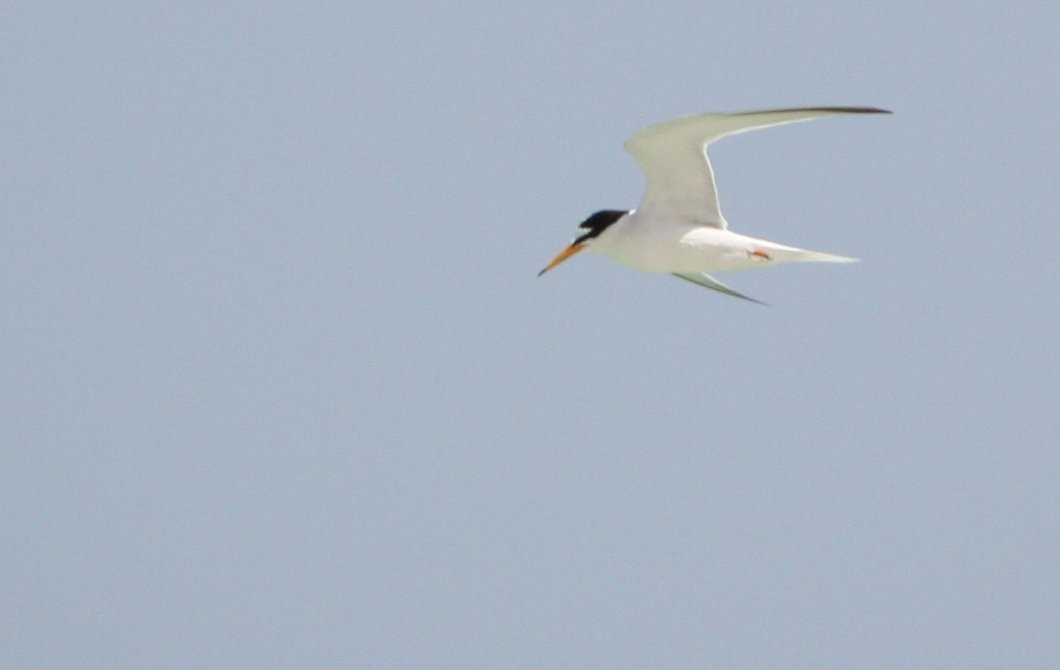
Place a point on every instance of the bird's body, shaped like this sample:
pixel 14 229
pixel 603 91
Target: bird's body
pixel 662 245
pixel 678 227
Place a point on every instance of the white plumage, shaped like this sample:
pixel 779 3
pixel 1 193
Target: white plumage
pixel 678 227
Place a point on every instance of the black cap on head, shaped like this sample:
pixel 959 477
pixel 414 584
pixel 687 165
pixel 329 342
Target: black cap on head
pixel 598 223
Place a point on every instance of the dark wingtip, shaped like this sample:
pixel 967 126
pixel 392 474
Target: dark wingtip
pixel 835 110
pixel 857 110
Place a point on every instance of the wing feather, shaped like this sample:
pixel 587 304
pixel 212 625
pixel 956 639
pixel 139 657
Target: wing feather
pixel 673 157
pixel 703 279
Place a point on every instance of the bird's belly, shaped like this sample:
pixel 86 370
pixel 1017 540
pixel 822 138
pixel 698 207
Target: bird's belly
pixel 684 249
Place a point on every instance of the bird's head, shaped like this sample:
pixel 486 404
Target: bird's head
pixel 588 231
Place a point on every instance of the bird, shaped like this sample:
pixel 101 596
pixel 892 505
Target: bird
pixel 678 227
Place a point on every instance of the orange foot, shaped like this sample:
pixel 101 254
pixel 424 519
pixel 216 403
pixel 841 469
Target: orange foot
pixel 759 253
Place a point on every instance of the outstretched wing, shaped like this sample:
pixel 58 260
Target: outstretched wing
pixel 673 156
pixel 703 279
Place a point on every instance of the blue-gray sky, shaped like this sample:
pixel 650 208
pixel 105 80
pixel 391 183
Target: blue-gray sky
pixel 281 388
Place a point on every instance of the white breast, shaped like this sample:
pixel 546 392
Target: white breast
pixel 670 246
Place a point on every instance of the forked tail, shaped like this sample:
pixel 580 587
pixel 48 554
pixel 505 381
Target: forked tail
pixel 821 257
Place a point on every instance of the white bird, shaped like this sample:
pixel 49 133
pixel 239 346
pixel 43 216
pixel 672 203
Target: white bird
pixel 678 226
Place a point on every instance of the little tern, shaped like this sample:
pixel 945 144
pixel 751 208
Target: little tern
pixel 678 227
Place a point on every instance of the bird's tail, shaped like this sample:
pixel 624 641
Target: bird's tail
pixel 820 257
pixel 782 253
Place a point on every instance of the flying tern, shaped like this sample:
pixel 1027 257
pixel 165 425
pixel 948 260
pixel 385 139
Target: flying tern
pixel 678 226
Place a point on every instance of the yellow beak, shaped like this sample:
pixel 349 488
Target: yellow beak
pixel 562 256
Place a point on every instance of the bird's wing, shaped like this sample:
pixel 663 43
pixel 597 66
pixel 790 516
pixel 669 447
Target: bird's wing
pixel 703 279
pixel 673 156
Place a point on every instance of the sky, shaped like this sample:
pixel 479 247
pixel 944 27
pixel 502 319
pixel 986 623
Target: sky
pixel 281 387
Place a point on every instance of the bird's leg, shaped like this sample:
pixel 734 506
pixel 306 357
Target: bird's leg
pixel 757 253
